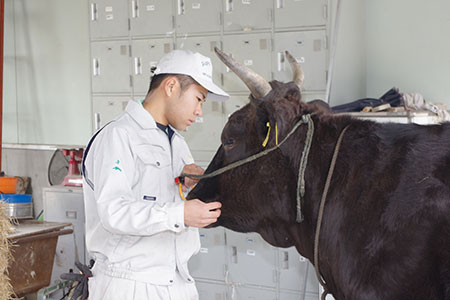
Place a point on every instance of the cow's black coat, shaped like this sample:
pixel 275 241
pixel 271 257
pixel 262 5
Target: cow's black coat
pixel 386 226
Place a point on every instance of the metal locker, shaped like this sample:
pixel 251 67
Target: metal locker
pixel 295 271
pixel 250 260
pixel 151 17
pixel 198 16
pixel 106 109
pixel 300 13
pixel 247 15
pixel 211 291
pixel 204 134
pixel 210 262
pixel 233 104
pixel 310 49
pixel 299 296
pixel 146 54
pixel 63 204
pixel 205 46
pixel 249 293
pixel 108 18
pixel 252 50
pixel 110 67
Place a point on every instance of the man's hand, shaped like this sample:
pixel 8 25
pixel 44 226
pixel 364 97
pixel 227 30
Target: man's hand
pixel 200 214
pixel 191 169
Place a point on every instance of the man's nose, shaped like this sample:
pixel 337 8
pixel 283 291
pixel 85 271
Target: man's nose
pixel 199 111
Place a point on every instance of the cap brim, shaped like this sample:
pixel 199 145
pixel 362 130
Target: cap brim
pixel 215 93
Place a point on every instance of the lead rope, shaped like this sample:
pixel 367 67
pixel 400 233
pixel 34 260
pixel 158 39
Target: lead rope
pixel 306 119
pixel 302 168
pixel 320 216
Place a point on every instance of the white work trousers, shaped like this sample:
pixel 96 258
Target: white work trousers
pixel 104 287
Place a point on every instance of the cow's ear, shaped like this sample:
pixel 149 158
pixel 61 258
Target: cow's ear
pixel 293 92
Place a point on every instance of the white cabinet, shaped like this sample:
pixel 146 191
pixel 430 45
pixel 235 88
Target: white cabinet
pixel 65 204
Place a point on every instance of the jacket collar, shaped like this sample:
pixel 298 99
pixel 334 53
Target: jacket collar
pixel 145 119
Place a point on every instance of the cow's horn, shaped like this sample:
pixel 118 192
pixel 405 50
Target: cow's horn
pixel 257 85
pixel 299 76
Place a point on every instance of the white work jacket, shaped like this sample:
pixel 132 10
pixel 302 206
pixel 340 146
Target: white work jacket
pixel 134 213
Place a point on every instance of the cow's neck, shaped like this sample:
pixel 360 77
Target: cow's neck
pixel 326 134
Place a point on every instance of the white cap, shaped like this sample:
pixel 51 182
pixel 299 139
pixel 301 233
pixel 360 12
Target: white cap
pixel 194 64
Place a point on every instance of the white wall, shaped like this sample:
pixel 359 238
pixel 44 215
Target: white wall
pixel 408 46
pixel 349 74
pixel 47 86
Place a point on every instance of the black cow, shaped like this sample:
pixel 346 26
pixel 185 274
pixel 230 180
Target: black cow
pixel 386 222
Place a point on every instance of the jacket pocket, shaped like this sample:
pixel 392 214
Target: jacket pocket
pixel 152 163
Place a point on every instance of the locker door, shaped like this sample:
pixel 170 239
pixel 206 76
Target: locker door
pixel 299 296
pixel 233 104
pixel 247 15
pixel 146 54
pixel 296 13
pixel 110 67
pixel 250 260
pixel 296 272
pixel 66 205
pixel 107 108
pixel 211 291
pixel 310 49
pixel 248 293
pixel 108 18
pixel 151 17
pixel 252 50
pixel 205 46
pixel 198 16
pixel 210 262
pixel 203 137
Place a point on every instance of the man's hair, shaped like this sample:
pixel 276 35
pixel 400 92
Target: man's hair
pixel 184 80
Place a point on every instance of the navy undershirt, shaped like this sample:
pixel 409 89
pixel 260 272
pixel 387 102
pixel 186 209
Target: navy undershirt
pixel 166 129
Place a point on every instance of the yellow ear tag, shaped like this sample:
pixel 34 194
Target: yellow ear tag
pixel 266 140
pixel 276 133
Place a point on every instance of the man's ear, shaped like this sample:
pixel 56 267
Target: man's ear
pixel 170 85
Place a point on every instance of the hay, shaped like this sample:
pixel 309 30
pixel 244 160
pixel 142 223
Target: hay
pixel 6 289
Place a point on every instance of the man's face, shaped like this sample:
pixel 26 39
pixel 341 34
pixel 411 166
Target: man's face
pixel 184 107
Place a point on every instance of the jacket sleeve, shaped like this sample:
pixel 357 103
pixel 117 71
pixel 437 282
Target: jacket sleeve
pixel 118 209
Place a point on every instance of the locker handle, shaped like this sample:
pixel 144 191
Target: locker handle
pixel 95 67
pixel 325 12
pixel 285 260
pixel 234 259
pixel 180 7
pixel 280 4
pixel 280 61
pixel 228 5
pixel 134 9
pixel 97 121
pixel 137 66
pixel 71 214
pixel 94 12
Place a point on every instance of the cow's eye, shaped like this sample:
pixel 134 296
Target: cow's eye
pixel 228 142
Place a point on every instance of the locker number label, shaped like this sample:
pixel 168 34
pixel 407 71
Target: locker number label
pixel 204 250
pixel 196 5
pixel 247 2
pixel 150 7
pixel 248 62
pixel 251 252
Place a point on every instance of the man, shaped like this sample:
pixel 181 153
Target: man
pixel 138 229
